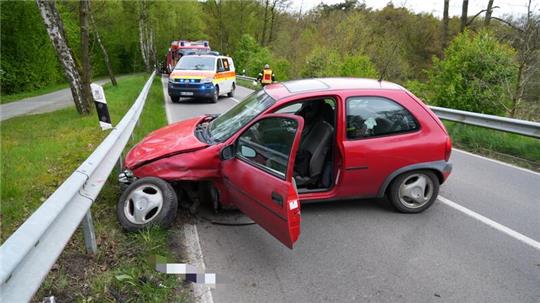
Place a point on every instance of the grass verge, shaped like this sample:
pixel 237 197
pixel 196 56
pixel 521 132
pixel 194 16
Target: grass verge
pixel 38 153
pixel 247 84
pixel 510 148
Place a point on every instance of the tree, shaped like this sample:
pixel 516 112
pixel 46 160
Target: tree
pixel 489 10
pixel 525 38
pixel 474 75
pixel 55 29
pixel 86 71
pixel 445 24
pixel 104 50
pixel 464 9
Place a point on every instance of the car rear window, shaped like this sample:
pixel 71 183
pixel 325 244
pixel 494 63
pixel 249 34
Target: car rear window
pixel 377 116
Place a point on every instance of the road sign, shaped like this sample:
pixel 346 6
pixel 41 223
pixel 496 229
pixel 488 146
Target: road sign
pixel 101 106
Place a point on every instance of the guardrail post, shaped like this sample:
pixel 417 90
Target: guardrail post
pixel 89 233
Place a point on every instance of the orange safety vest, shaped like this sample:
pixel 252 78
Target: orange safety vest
pixel 267 76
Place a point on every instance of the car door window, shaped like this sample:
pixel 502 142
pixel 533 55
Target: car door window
pixel 225 64
pixel 267 145
pixel 377 116
pixel 219 65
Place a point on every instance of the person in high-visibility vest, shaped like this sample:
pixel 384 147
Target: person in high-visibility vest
pixel 266 76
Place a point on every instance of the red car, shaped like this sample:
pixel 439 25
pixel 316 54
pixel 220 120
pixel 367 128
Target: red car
pixel 291 143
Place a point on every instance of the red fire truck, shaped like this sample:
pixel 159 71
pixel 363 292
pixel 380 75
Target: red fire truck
pixel 183 47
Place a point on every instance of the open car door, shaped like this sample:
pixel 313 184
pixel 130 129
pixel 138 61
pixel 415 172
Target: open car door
pixel 258 174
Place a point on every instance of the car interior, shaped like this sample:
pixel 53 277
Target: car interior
pixel 313 169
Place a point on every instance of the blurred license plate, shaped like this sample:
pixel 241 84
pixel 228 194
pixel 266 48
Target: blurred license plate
pixel 186 93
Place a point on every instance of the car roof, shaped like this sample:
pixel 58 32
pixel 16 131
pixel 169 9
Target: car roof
pixel 294 87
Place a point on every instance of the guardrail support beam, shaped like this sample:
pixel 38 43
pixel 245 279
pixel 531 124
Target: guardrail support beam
pixel 89 233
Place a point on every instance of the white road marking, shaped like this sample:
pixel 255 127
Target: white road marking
pixel 166 98
pixel 234 99
pixel 201 292
pixel 496 161
pixel 512 233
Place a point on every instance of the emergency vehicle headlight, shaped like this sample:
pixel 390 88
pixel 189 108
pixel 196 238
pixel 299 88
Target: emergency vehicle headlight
pixel 206 80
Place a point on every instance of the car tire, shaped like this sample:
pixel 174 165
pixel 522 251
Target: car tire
pixel 175 99
pixel 231 93
pixel 414 192
pixel 147 202
pixel 215 97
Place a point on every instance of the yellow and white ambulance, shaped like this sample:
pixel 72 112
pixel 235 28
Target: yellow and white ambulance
pixel 202 76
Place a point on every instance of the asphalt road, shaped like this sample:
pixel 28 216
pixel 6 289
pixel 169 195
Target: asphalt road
pixel 362 251
pixel 40 104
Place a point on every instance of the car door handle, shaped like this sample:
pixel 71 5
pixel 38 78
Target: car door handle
pixel 277 198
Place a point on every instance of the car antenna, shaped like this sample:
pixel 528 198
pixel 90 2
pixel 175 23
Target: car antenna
pixel 383 73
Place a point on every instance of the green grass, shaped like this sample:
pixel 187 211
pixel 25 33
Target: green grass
pixel 516 149
pixel 248 84
pixel 38 153
pixel 36 92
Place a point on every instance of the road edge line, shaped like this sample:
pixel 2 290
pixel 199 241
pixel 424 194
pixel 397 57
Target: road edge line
pixel 510 232
pixel 201 292
pixel 166 99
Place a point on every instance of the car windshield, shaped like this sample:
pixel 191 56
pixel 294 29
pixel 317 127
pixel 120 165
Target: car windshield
pixel 191 51
pixel 196 63
pixel 231 121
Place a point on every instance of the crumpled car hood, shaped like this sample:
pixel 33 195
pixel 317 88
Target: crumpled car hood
pixel 164 142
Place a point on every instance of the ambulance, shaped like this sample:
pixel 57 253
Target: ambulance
pixel 183 47
pixel 202 76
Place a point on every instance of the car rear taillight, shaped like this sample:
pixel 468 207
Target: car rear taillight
pixel 448 148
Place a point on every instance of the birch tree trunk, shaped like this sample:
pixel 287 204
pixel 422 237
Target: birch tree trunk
pixel 55 30
pixel 143 35
pixel 104 51
pixel 86 72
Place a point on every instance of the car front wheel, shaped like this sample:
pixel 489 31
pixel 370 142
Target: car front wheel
pixel 231 93
pixel 147 201
pixel 215 97
pixel 175 99
pixel 414 192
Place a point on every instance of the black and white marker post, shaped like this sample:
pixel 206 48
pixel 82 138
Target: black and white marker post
pixel 101 106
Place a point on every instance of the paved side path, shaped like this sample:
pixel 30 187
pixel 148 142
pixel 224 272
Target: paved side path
pixel 41 104
pixel 363 251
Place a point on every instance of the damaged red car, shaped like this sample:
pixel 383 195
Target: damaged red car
pixel 291 143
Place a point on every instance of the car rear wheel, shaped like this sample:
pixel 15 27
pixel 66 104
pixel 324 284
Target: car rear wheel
pixel 414 192
pixel 215 97
pixel 175 99
pixel 146 202
pixel 231 93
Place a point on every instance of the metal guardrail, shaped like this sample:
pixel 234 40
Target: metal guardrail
pixel 29 253
pixel 516 126
pixel 242 77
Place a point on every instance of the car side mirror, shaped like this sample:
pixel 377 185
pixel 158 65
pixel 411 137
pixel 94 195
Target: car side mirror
pixel 227 152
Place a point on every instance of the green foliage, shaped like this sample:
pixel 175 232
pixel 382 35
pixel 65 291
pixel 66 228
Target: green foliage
pixel 327 62
pixel 251 57
pixel 475 75
pixel 28 59
pixel 358 66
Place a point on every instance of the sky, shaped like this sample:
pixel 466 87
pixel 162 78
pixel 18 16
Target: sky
pixel 513 7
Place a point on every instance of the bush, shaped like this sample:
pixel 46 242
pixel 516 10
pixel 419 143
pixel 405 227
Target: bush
pixel 476 75
pixel 327 62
